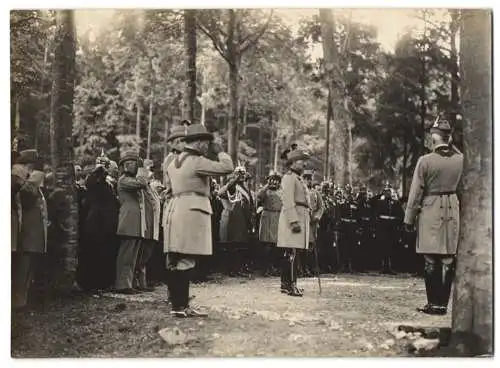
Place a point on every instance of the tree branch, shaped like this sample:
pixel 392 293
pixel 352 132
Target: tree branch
pixel 250 41
pixel 218 44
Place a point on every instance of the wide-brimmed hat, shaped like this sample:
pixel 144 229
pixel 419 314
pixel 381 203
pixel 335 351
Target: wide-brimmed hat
pixel 197 132
pixel 29 156
pixel 130 155
pixel 178 131
pixel 297 155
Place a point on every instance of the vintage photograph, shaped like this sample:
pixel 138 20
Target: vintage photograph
pixel 242 182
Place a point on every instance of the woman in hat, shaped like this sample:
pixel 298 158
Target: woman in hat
pixel 293 226
pixel 269 207
pixel 187 232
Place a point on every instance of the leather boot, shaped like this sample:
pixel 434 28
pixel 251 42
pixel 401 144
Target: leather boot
pixel 286 282
pixel 446 280
pixel 432 281
pixel 175 291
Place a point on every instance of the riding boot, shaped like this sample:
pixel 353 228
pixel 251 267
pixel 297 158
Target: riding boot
pixel 294 290
pixel 175 291
pixel 446 280
pixel 432 282
pixel 286 281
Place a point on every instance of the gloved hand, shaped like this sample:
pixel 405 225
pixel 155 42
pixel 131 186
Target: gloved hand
pixel 295 227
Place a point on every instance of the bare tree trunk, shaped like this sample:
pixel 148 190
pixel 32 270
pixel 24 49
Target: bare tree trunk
pixel 455 78
pixel 349 160
pixel 472 318
pixel 190 47
pixel 326 169
pixel 340 137
pixel 150 122
pixel 138 121
pixel 423 81
pixel 405 163
pixel 61 141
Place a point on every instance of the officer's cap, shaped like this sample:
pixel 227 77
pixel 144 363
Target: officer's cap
pixel 27 157
pixel 441 127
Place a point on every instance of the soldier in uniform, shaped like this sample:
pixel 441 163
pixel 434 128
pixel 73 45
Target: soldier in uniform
pixel 131 220
pixel 269 207
pixel 348 211
pixel 389 214
pixel 365 216
pixel 433 198
pixel 317 209
pixel 189 179
pixel 32 223
pixel 293 226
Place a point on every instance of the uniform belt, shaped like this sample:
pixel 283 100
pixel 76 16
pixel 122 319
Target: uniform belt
pixel 348 220
pixel 385 217
pixel 440 193
pixel 301 204
pixel 182 194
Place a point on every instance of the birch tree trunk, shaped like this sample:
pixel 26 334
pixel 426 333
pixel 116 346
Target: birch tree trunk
pixel 472 318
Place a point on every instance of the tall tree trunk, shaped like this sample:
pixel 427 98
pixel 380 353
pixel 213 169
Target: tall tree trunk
pixel 150 122
pixel 326 169
pixel 455 78
pixel 472 318
pixel 405 164
pixel 138 120
pixel 234 84
pixel 423 81
pixel 61 131
pixel 330 53
pixel 349 152
pixel 190 50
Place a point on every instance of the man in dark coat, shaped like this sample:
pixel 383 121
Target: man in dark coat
pixel 366 218
pixel 433 197
pixel 389 216
pixel 348 245
pixel 97 255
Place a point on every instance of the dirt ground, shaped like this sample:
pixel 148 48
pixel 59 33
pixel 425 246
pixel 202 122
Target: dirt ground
pixel 248 317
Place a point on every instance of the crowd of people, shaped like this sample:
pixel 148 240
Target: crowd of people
pixel 135 230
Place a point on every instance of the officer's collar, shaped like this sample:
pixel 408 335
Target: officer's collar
pixel 441 146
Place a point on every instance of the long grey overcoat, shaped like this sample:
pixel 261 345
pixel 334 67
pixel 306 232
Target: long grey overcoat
pixel 187 217
pixel 270 201
pixel 295 208
pixel 438 214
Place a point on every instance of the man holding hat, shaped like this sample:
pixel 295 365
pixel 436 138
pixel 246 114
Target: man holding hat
pixel 294 221
pixel 31 221
pixel 187 232
pixel 131 220
pixel 433 198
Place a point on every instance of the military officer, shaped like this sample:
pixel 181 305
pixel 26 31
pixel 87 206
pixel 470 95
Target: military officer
pixel 348 211
pixel 30 240
pixel 365 216
pixel 294 223
pixel 434 199
pixel 188 230
pixel 317 209
pixel 389 214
